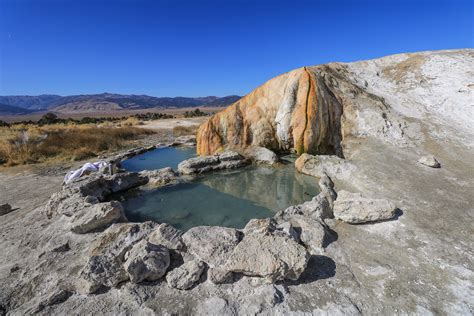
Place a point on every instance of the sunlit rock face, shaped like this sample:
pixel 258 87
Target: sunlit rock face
pixel 295 110
pixel 316 109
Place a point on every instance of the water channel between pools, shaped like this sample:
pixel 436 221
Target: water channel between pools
pixel 224 198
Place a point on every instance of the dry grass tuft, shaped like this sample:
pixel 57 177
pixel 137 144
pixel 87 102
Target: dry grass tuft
pixel 25 144
pixel 184 130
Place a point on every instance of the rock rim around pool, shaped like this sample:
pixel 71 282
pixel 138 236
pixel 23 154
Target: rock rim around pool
pixel 320 165
pixel 221 161
pixel 261 155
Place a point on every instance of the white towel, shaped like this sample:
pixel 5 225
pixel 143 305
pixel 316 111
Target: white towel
pixel 87 167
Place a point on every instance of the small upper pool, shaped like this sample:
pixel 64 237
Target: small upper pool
pixel 225 198
pixel 159 158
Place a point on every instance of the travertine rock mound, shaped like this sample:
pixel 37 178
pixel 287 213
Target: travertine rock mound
pixel 310 110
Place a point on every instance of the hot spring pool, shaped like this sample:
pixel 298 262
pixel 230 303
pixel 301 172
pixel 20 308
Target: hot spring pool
pixel 226 198
pixel 159 158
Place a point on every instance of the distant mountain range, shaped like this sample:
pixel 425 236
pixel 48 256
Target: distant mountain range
pixel 105 102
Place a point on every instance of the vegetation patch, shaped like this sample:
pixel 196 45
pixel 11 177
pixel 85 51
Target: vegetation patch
pixel 27 143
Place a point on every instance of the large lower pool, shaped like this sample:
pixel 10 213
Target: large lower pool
pixel 226 198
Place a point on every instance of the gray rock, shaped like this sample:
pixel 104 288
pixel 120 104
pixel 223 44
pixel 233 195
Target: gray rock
pixel 215 306
pixel 429 161
pixel 230 156
pixel 167 236
pixel 189 140
pixel 97 216
pixel 5 209
pixel 274 256
pixel 318 166
pixel 146 261
pixel 288 228
pixel 186 275
pixel 90 190
pixel 354 209
pixel 318 208
pixel 211 244
pixel 159 177
pixel 327 188
pixel 261 155
pixel 260 225
pixel 259 300
pixel 225 160
pixel 56 297
pixel 104 265
pixel 311 232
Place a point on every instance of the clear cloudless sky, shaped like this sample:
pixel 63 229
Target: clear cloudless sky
pixel 198 48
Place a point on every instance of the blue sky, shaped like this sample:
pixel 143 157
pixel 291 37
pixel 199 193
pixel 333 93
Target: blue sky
pixel 198 48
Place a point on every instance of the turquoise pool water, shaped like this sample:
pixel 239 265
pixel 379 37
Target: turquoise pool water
pixel 159 158
pixel 225 198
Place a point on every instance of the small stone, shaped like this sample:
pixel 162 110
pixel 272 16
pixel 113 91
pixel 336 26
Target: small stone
pixel 429 161
pixel 5 209
pixel 61 247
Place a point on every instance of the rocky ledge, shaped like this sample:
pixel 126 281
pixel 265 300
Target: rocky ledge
pixel 272 249
pixel 221 161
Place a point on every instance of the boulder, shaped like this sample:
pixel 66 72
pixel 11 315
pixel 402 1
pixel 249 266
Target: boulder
pixel 352 208
pixel 211 244
pixel 90 189
pixel 168 236
pixel 311 232
pixel 159 177
pixel 261 155
pixel 146 261
pixel 429 161
pixel 321 165
pixel 272 255
pixel 5 209
pixel 97 216
pixel 318 208
pixel 186 275
pixel 104 266
pixel 225 160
